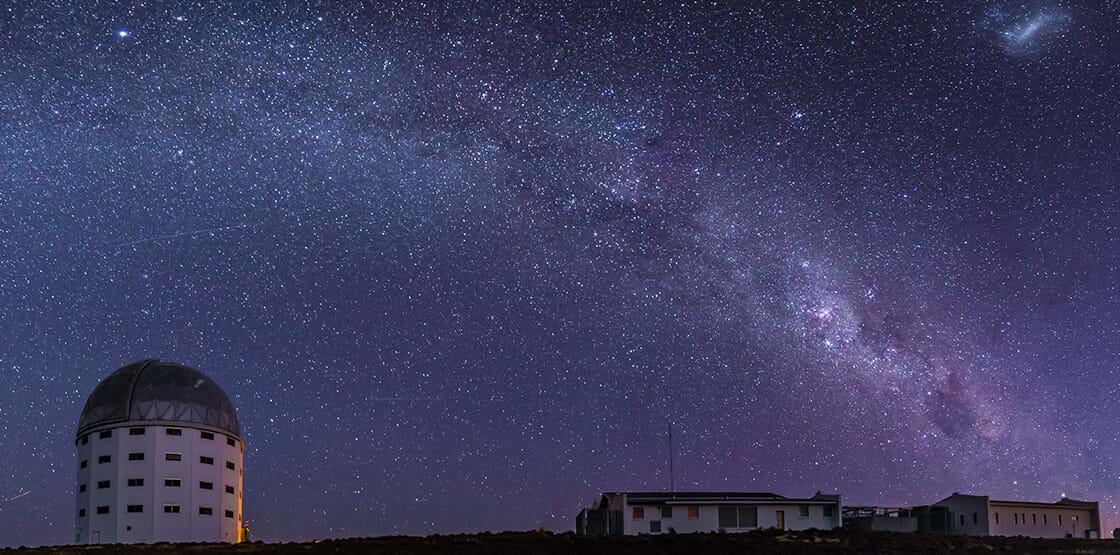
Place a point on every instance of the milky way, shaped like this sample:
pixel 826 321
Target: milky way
pixel 461 266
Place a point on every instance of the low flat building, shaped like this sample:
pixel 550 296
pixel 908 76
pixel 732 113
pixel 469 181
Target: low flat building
pixel 980 515
pixel 633 513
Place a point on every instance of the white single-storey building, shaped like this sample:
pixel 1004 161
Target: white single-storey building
pixel 632 513
pixel 980 515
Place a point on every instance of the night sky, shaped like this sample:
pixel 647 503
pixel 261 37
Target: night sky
pixel 461 266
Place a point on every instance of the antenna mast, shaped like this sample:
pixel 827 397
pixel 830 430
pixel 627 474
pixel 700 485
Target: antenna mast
pixel 672 484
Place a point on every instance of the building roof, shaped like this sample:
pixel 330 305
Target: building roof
pixel 730 497
pixel 159 391
pixel 1063 502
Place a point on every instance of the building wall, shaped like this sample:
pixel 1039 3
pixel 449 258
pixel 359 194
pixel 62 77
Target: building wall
pixel 1040 522
pixel 153 524
pixel 968 514
pixel 708 519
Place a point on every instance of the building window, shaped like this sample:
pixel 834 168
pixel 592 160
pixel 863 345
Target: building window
pixel 229 514
pixel 171 509
pixel 1059 520
pixel 208 435
pixel 82 488
pixel 172 482
pixel 206 485
pixel 1016 516
pixel 135 508
pixel 731 516
pixel 639 513
pixel 137 431
pixel 975 518
pixel 83 464
pixel 1043 519
pixel 174 456
pixel 654 526
pixel 231 466
pixel 1074 517
pixel 693 512
pixel 135 482
pixel 81 513
pixel 827 509
pixel 103 510
pixel 85 440
pixel 803 511
pixel 205 511
pixel 231 442
pixel 174 432
pixel 206 460
pixel 135 456
pixel 997 518
pixel 962 520
pixel 104 459
pixel 106 434
pixel 230 490
pixel 103 484
pixel 1034 518
pixel 666 511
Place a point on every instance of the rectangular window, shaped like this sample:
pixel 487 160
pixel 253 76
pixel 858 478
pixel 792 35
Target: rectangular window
pixel 230 490
pixel 975 518
pixel 83 464
pixel 666 511
pixel 104 459
pixel 172 483
pixel 106 434
pixel 135 456
pixel 231 466
pixel 135 482
pixel 1034 518
pixel 962 520
pixel 81 513
pixel 827 510
pixel 171 509
pixel 205 511
pixel 1074 517
pixel 803 511
pixel 639 513
pixel 206 485
pixel 103 510
pixel 135 508
pixel 82 488
pixel 654 526
pixel 206 460
pixel 229 514
pixel 174 432
pixel 174 456
pixel 693 512
pixel 85 440
pixel 728 517
pixel 231 442
pixel 997 518
pixel 103 484
pixel 1043 519
pixel 1059 520
pixel 137 431
pixel 1016 516
pixel 208 435
pixel 748 517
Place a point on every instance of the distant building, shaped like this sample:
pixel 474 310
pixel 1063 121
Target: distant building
pixel 980 515
pixel 159 459
pixel 632 513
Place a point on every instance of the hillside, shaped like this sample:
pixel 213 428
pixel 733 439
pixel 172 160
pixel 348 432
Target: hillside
pixel 764 542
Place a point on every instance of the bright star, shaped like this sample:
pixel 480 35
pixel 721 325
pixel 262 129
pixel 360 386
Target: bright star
pixel 123 33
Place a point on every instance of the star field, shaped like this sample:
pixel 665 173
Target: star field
pixel 461 265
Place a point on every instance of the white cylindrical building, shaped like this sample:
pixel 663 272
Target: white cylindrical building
pixel 159 459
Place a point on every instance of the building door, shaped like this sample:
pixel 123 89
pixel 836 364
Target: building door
pixel 97 536
pixel 780 520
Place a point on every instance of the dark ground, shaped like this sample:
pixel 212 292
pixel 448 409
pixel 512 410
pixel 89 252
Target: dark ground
pixel 773 541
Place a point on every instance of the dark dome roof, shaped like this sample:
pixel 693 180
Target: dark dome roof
pixel 164 391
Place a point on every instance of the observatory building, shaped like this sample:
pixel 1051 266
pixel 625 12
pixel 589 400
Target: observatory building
pixel 159 459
